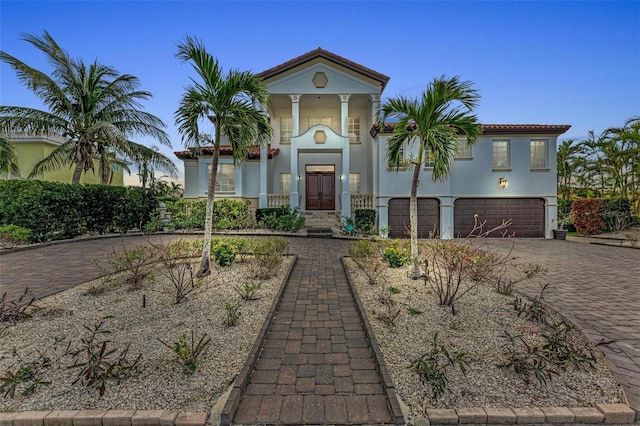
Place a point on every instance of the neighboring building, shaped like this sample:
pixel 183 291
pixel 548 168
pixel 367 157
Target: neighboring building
pixel 30 149
pixel 328 159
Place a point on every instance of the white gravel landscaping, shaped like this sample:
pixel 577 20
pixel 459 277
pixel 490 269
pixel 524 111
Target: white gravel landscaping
pixel 482 316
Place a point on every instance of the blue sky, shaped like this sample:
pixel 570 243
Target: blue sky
pixel 548 62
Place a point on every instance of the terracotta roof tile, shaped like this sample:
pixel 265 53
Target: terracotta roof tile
pixel 493 129
pixel 225 150
pixel 325 54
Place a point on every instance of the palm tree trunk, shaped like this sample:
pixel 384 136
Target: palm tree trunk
pixel 205 263
pixel 77 173
pixel 413 219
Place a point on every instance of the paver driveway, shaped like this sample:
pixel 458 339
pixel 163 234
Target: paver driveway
pixel 597 287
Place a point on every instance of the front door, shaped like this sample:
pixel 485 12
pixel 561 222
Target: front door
pixel 320 190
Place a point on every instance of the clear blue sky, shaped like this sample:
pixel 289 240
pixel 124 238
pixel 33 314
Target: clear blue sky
pixel 548 62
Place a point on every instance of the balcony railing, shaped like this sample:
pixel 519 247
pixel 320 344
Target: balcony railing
pixel 361 201
pixel 277 200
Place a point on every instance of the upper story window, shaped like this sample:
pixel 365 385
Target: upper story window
pixel 354 183
pixel 285 183
pixel 403 162
pixel 500 154
pixel 354 129
pixel 327 121
pixel 462 149
pixel 539 154
pixel 428 160
pixel 286 130
pixel 225 181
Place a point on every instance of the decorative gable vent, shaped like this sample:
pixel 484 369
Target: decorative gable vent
pixel 320 80
pixel 320 136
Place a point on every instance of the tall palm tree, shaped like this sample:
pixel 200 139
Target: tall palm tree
pixel 233 102
pixel 435 121
pixel 8 160
pixel 568 159
pixel 92 107
pixel 150 159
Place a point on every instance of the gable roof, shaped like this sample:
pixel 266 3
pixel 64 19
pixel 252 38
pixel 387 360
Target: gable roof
pixel 320 53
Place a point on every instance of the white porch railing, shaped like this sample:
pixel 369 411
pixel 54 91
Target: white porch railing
pixel 277 200
pixel 361 201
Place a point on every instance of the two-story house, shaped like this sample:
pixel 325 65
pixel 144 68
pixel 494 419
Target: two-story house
pixel 327 159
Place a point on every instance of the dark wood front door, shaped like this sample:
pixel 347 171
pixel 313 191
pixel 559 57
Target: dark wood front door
pixel 320 191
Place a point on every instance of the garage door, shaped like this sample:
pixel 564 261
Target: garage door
pixel 527 215
pixel 428 217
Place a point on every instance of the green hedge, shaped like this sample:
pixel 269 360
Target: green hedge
pixel 53 211
pixel 365 221
pixel 227 214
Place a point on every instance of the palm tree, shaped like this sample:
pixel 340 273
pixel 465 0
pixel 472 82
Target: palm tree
pixel 233 102
pixel 436 120
pixel 568 159
pixel 8 159
pixel 150 159
pixel 92 107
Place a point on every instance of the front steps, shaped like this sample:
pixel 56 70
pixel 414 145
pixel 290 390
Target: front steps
pixel 321 219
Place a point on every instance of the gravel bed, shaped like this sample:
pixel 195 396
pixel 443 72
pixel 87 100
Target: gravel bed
pixel 159 381
pixel 482 316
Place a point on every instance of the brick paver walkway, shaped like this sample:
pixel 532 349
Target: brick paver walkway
pixel 316 366
pixel 597 287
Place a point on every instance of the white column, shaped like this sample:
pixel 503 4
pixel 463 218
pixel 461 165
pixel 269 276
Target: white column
pixel 446 217
pixel 375 160
pixel 345 197
pixel 344 114
pixel 551 216
pixel 295 131
pixel 262 198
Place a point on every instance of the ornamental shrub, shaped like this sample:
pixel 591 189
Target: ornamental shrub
pixel 396 257
pixel 587 215
pixel 231 214
pixel 617 214
pixel 187 214
pixel 224 253
pixel 365 221
pixel 281 219
pixel 12 235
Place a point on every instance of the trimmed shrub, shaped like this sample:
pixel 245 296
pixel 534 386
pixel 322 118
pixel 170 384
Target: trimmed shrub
pixel 396 257
pixel 365 221
pixel 224 253
pixel 587 215
pixel 12 235
pixel 231 214
pixel 269 211
pixel 187 214
pixel 282 219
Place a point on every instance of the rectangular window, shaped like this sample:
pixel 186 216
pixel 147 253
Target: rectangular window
pixel 354 183
pixel 500 154
pixel 327 121
pixel 225 181
pixel 286 130
pixel 402 163
pixel 462 149
pixel 428 160
pixel 539 154
pixel 285 183
pixel 354 129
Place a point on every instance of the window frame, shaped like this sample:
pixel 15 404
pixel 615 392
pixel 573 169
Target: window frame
pixel 284 131
pixel 219 180
pixel 463 151
pixel 495 165
pixel 283 183
pixel 353 126
pixel 545 154
pixel 355 179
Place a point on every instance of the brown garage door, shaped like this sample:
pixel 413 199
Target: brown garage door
pixel 428 217
pixel 527 215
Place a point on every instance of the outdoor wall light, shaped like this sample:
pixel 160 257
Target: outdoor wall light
pixel 502 181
